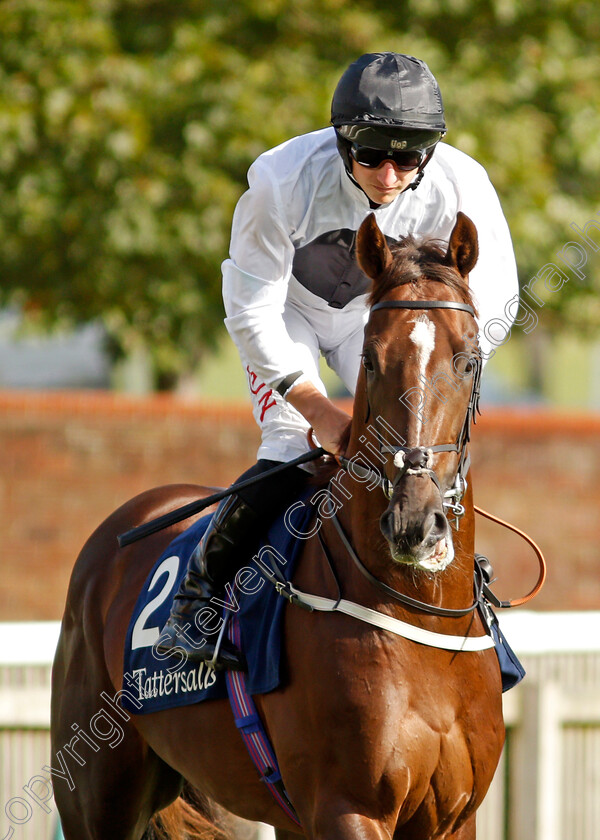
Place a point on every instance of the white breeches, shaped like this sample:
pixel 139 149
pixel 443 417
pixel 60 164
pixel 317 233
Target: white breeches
pixel 338 335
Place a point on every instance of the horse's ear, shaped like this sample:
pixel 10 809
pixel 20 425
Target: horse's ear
pixel 463 249
pixel 372 250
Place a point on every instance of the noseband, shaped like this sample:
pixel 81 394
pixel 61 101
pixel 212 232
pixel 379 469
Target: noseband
pixel 418 460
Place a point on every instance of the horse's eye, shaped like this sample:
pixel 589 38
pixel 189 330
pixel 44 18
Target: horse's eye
pixel 471 364
pixel 367 363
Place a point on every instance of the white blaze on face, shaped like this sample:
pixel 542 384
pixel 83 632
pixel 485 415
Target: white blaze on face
pixel 423 337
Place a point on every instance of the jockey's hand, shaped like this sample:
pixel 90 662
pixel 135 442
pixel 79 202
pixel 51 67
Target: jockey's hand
pixel 330 424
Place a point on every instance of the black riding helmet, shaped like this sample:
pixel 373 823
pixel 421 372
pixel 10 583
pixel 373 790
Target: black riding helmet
pixel 388 101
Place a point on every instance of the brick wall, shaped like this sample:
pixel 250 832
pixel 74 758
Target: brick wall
pixel 69 459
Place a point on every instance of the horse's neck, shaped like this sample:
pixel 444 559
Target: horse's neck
pixel 362 510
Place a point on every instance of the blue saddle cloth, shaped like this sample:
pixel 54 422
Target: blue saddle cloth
pixel 152 681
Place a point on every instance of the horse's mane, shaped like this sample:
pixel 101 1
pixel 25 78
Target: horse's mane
pixel 416 263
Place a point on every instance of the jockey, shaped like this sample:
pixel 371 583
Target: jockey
pixel 293 290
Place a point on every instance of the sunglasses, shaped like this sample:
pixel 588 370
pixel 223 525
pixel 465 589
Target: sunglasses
pixel 404 160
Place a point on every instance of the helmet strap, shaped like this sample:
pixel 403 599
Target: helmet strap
pixel 415 183
pixel 419 178
pixel 344 150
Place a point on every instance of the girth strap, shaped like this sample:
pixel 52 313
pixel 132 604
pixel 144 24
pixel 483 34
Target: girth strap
pixel 253 732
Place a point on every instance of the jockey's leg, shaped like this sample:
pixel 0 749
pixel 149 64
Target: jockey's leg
pixel 230 540
pixel 233 535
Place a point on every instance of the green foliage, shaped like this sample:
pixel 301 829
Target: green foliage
pixel 127 127
pixel 521 84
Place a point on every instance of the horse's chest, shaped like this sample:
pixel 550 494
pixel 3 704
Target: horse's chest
pixel 436 743
pixel 448 757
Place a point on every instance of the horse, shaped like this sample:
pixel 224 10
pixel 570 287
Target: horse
pixel 377 735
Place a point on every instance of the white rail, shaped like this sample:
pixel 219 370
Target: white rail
pixel 547 786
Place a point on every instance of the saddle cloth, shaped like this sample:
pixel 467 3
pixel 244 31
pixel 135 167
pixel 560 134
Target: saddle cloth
pixel 153 681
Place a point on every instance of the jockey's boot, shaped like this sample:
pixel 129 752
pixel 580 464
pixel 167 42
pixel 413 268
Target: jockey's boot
pixel 213 563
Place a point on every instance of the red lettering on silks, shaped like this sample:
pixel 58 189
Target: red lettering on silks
pixel 256 389
pixel 266 405
pixel 252 377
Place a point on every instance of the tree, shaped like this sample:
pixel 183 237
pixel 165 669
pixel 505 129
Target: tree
pixel 127 127
pixel 126 131
pixel 521 85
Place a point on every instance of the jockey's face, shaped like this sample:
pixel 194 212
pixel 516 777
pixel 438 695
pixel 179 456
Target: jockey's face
pixel 383 184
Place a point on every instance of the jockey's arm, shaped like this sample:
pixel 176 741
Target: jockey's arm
pixel 255 281
pixel 494 280
pixel 330 424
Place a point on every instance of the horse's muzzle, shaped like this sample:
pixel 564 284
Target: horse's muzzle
pixel 420 538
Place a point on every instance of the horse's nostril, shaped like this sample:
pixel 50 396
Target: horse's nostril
pixel 387 523
pixel 408 532
pixel 435 527
pixel 440 522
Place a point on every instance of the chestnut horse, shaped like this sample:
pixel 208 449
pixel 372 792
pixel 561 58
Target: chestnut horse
pixel 377 735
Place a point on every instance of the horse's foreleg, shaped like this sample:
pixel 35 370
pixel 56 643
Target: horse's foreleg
pixel 329 825
pixel 353 826
pixel 466 831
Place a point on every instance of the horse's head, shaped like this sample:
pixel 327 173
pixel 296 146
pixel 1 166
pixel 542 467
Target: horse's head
pixel 419 384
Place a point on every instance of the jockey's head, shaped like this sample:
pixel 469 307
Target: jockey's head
pixel 388 106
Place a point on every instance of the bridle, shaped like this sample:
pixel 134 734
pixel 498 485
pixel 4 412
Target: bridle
pixel 418 460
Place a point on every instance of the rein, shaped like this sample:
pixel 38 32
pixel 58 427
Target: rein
pixel 515 602
pixel 398 596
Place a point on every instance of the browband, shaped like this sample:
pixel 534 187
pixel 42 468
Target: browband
pixel 423 304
